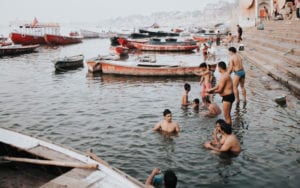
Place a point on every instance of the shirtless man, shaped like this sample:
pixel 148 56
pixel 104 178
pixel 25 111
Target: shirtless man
pixel 213 108
pixel 185 96
pixel 166 125
pixel 228 141
pixel 229 39
pixel 205 81
pixel 225 89
pixel 236 65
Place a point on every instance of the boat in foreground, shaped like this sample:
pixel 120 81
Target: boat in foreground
pixel 17 49
pixel 67 63
pixel 147 67
pixel 31 162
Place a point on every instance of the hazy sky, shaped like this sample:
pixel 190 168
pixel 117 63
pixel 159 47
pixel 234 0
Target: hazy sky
pixel 90 10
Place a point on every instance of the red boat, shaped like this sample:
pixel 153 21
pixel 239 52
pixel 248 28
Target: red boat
pixel 32 33
pixel 119 50
pixel 26 39
pixel 17 49
pixel 62 40
pixel 129 43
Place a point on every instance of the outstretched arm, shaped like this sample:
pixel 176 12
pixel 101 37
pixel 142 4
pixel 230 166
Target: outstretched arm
pixel 157 127
pixel 149 180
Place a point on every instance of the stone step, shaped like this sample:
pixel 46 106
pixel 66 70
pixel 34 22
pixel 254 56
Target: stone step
pixel 289 65
pixel 287 33
pixel 283 47
pixel 275 37
pixel 282 22
pixel 262 63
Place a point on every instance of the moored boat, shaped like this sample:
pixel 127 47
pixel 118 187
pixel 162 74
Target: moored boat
pixel 31 162
pixel 87 34
pixel 26 39
pixel 129 43
pixel 17 49
pixel 66 63
pixel 26 33
pixel 147 68
pixel 52 39
pixel 94 64
pixel 167 46
pixel 119 50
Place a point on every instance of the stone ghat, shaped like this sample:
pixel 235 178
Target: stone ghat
pixel 276 50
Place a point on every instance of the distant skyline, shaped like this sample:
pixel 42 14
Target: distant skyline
pixel 90 11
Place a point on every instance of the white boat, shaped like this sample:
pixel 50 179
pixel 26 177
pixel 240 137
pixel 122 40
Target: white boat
pixel 31 162
pixel 89 34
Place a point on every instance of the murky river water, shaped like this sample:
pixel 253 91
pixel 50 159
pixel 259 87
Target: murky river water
pixel 114 116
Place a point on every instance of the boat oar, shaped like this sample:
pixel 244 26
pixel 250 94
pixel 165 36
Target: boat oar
pixel 96 158
pixel 50 162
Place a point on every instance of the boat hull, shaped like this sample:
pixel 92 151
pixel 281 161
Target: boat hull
pixel 165 48
pixel 26 39
pixel 61 40
pixel 17 49
pixel 143 70
pixel 69 63
pixel 86 170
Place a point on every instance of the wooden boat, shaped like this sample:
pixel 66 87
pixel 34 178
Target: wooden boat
pixel 158 33
pixel 167 46
pixel 119 50
pixel 17 49
pixel 52 39
pixel 139 35
pixel 144 68
pixel 94 64
pixel 129 43
pixel 67 63
pixel 31 162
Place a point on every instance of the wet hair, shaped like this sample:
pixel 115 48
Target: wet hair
pixel 222 64
pixel 187 86
pixel 206 99
pixel 220 121
pixel 226 128
pixel 232 49
pixel 203 65
pixel 170 179
pixel 167 111
pixel 197 101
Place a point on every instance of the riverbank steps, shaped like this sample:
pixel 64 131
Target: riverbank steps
pixel 276 51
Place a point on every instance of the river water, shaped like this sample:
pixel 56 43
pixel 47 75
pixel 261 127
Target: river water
pixel 114 115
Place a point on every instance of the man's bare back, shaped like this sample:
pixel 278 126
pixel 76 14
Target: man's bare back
pixel 235 63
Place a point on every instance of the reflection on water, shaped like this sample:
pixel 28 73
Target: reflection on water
pixel 114 115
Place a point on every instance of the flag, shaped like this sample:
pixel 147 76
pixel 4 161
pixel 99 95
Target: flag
pixel 34 22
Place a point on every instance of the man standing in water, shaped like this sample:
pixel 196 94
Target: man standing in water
pixel 166 125
pixel 228 142
pixel 236 65
pixel 225 89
